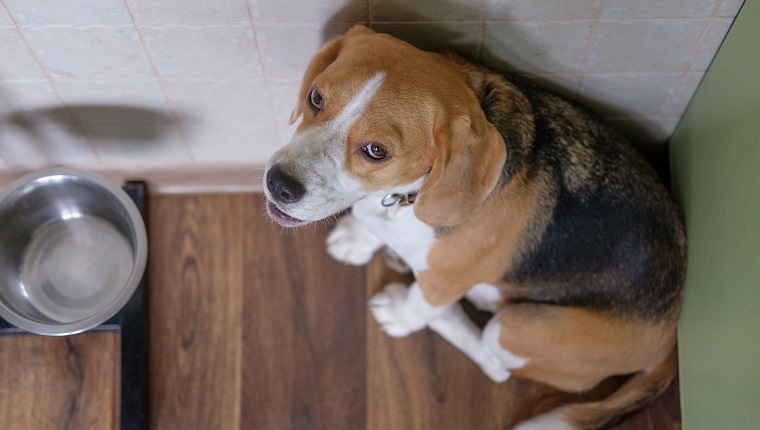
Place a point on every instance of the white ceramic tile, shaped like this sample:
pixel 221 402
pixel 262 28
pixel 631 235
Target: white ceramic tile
pixel 430 10
pixel 286 132
pixel 91 52
pixel 288 48
pixel 41 144
pixel 542 9
pixel 221 102
pixel 644 46
pixel 622 9
pixel 449 36
pixel 31 103
pixel 681 98
pixel 144 145
pixel 189 11
pixel 311 11
pixel 634 94
pixel 117 103
pixel 18 63
pixel 70 12
pixel 127 121
pixel 204 52
pixel 232 143
pixel 564 85
pixel 729 8
pixel 5 19
pixel 715 35
pixel 285 98
pixel 647 134
pixel 143 92
pixel 537 47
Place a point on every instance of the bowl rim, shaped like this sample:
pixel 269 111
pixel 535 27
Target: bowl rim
pixel 141 255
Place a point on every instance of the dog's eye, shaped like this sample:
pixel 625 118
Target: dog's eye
pixel 375 151
pixel 315 98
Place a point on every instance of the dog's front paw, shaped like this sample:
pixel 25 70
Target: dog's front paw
pixel 494 369
pixel 394 312
pixel 352 243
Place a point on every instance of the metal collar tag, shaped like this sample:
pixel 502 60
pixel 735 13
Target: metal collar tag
pixel 400 199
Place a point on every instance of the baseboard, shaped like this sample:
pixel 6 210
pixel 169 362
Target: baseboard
pixel 183 179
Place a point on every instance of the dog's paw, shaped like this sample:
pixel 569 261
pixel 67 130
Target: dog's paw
pixel 391 310
pixel 351 243
pixel 494 369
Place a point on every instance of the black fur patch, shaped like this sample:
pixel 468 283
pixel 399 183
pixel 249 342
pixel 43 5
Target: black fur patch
pixel 612 239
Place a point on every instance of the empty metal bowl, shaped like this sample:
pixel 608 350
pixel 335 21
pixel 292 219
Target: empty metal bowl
pixel 73 250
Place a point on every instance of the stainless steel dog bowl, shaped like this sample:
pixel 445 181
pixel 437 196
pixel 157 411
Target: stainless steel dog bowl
pixel 73 249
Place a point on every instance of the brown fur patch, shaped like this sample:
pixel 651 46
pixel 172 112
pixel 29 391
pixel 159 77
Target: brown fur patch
pixel 482 249
pixel 575 349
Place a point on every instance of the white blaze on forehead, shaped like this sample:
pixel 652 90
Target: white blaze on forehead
pixel 355 108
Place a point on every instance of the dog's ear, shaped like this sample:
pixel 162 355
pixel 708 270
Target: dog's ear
pixel 467 166
pixel 320 62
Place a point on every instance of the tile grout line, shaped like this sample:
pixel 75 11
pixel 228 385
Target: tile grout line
pixel 701 41
pixel 693 56
pixel 162 84
pixel 589 47
pixel 52 81
pixel 279 77
pixel 481 32
pixel 3 161
pixel 371 20
pixel 265 71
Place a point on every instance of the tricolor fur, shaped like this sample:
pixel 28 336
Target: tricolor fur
pixel 525 204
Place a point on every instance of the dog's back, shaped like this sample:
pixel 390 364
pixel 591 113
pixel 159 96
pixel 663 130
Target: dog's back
pixel 607 222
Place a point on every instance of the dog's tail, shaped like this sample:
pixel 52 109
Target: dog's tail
pixel 639 391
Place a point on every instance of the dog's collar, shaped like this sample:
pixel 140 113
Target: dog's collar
pixel 400 199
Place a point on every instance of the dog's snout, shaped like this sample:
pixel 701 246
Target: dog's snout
pixel 284 188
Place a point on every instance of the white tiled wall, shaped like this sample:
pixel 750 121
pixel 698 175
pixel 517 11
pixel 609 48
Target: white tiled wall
pixel 157 85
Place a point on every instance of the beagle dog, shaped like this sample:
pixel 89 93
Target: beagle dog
pixel 499 192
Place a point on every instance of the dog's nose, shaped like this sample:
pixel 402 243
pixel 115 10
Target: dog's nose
pixel 284 188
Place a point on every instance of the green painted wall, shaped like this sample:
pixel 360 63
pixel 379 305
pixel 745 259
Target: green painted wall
pixel 715 158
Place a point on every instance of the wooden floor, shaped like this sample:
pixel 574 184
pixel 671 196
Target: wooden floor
pixel 256 327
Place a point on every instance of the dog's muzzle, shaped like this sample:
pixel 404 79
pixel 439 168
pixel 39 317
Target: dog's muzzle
pixel 284 190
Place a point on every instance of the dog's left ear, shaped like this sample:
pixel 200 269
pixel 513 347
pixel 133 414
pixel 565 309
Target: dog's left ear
pixel 468 163
pixel 321 61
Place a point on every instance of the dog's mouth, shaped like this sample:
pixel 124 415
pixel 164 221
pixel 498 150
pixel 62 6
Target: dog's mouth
pixel 281 217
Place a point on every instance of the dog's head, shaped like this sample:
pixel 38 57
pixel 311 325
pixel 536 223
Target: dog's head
pixel 379 114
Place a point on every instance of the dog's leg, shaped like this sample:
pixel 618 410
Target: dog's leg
pixel 458 329
pixel 395 262
pixel 350 242
pixel 401 310
pixel 486 297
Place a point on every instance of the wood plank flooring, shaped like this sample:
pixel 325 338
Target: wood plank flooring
pixel 256 327
pixel 59 383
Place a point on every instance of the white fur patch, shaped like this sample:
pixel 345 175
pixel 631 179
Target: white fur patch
pixel 350 242
pixel 401 310
pixel 485 297
pixel 355 108
pixel 458 329
pixel 397 226
pixel 491 335
pixel 553 420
